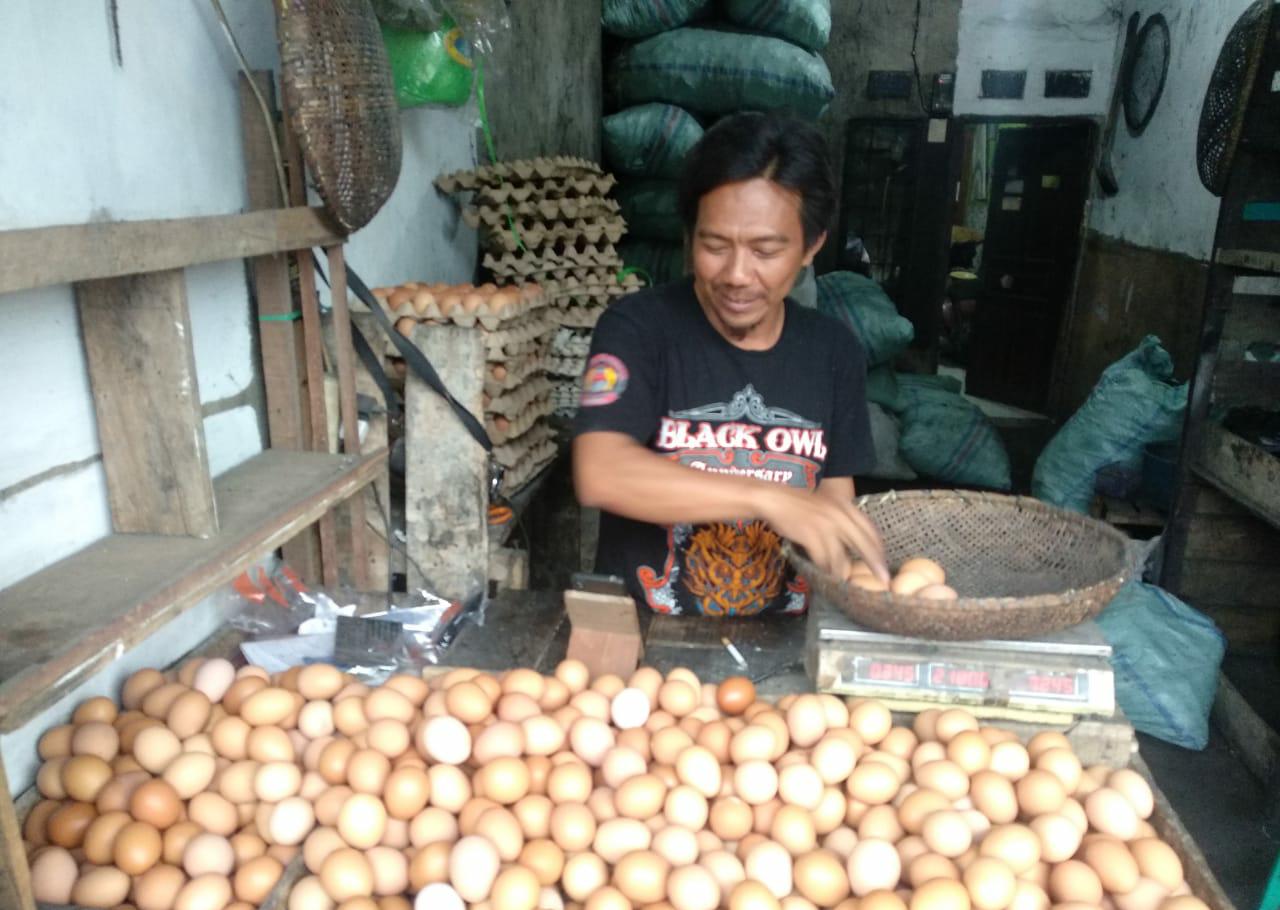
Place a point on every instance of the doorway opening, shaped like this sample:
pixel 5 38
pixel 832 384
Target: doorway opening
pixel 1016 222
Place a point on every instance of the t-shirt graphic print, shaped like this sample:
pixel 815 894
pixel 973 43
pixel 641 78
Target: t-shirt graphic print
pixel 794 414
pixel 734 569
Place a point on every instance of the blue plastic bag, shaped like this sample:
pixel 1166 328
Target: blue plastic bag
pixel 1166 658
pixel 1132 405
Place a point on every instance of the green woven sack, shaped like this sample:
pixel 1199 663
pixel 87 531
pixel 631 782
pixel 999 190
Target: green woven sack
pixel 720 72
pixel 651 209
pixel 863 306
pixel 642 18
pixel 662 263
pixel 947 437
pixel 429 67
pixel 803 22
pixel 650 140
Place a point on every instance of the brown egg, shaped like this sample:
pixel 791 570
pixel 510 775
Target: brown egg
pixel 156 803
pixel 1016 845
pixel 53 875
pixel 821 878
pixel 96 738
pixel 68 823
pixel 158 887
pixel 873 865
pixel 735 694
pixel 873 783
pixel 346 873
pixel 254 879
pixel 84 776
pixel 1135 789
pixel 189 713
pixel 1040 791
pixel 208 892
pixel 137 847
pixel 1116 867
pixel 190 773
pixel 940 894
pixel 138 685
pixel 100 886
pixel 1111 813
pixel 1156 860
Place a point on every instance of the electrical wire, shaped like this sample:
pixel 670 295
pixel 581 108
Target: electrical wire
pixel 257 94
pixel 915 63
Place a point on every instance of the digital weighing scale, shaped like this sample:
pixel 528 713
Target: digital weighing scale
pixel 1056 678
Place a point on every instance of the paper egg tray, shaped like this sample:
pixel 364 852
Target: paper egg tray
pixel 570 343
pixel 512 452
pixel 565 367
pixel 520 171
pixel 566 396
pixel 552 188
pixel 463 305
pixel 519 424
pixel 528 467
pixel 547 210
pixel 535 234
pixel 513 401
pixel 515 372
pixel 526 264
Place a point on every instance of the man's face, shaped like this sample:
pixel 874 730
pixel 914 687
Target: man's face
pixel 748 249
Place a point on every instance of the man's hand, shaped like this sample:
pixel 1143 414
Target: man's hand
pixel 832 530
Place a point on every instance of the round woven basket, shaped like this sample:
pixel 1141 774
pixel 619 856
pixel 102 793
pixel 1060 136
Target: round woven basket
pixel 1021 567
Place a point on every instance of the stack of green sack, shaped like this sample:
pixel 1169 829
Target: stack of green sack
pixel 679 72
pixel 941 434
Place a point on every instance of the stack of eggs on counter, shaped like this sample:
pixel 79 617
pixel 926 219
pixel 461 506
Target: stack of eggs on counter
pixel 518 791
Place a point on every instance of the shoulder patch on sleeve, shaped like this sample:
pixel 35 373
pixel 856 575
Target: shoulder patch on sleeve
pixel 604 381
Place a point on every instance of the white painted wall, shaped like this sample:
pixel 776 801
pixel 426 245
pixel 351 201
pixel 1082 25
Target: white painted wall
pixel 158 136
pixel 1162 204
pixel 1037 35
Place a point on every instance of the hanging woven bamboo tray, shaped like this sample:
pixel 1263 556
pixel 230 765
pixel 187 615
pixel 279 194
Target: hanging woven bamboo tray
pixel 1022 567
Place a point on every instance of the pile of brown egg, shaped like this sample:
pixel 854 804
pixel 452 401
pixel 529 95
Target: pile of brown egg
pixel 518 791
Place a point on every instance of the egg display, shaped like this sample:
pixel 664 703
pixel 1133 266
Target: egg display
pixel 224 789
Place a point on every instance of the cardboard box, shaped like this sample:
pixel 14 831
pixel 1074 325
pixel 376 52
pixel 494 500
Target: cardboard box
pixel 605 632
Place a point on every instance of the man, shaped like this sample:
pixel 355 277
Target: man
pixel 717 417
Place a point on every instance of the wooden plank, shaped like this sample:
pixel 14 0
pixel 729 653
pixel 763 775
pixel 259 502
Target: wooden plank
pixel 1200 879
pixel 279 331
pixel 38 257
pixel 345 357
pixel 142 368
pixel 446 471
pixel 1239 584
pixel 313 356
pixel 1258 260
pixel 1242 384
pixel 1245 539
pixel 15 874
pixel 62 624
pixel 1248 629
pixel 1243 471
pixel 378 494
pixel 1251 737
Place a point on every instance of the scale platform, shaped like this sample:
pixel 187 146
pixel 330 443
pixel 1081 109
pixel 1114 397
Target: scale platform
pixel 1057 678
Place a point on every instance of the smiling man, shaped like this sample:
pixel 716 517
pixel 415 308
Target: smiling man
pixel 717 416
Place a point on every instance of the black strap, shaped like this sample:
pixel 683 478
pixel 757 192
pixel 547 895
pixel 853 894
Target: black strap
pixel 373 365
pixel 413 356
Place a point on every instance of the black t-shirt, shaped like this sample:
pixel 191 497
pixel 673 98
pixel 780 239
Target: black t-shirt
pixel 794 414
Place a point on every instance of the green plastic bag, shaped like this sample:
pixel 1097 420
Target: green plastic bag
pixel 429 67
pixel 863 306
pixel 803 22
pixel 642 18
pixel 651 209
pixel 1165 656
pixel 650 140
pixel 1133 404
pixel 947 437
pixel 720 72
pixel 663 263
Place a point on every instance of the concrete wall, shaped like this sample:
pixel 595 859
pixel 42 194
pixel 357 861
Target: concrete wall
pixel 1144 262
pixel 1037 35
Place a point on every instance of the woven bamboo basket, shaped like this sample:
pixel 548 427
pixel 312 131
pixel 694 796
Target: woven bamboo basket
pixel 342 104
pixel 1021 567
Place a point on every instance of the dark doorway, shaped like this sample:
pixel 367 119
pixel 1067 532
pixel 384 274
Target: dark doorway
pixel 1036 189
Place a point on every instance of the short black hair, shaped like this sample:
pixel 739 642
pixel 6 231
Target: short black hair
pixel 790 152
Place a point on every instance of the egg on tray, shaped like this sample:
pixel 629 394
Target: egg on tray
pixel 214 788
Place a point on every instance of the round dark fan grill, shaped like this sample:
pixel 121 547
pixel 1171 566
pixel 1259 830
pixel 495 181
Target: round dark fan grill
pixel 1225 100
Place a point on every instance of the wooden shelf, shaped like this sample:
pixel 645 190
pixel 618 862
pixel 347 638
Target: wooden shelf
pixel 77 252
pixel 67 621
pixel 1243 471
pixel 1258 260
